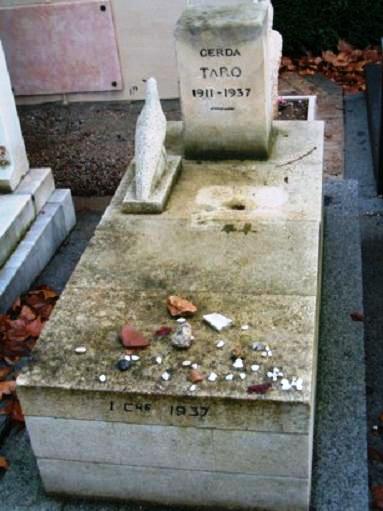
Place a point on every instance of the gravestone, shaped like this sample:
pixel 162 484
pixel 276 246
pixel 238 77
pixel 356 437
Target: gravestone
pixel 223 63
pixel 241 239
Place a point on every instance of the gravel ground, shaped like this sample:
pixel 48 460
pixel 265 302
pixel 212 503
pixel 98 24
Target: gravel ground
pixel 87 145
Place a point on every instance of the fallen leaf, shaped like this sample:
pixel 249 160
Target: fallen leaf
pixel 27 313
pixel 377 493
pixel 7 387
pixel 260 388
pixel 131 338
pixel 4 464
pixel 4 372
pixel 178 306
pixel 34 327
pixel 357 316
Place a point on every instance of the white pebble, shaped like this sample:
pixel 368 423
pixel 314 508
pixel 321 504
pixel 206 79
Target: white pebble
pixel 238 363
pixel 264 354
pixel 285 384
pixel 192 388
pixel 258 346
pixel 186 363
pixel 194 366
pixel 135 358
pixel 80 349
pixel 245 327
pixel 158 360
pixel 127 357
pixel 255 368
pixel 212 376
pixel 165 376
pixel 217 321
pixel 181 320
pixel 220 344
pixel 102 378
pixel 229 377
pixel 242 376
pixel 297 383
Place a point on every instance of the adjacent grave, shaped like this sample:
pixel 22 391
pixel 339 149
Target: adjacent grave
pixel 241 238
pixel 34 218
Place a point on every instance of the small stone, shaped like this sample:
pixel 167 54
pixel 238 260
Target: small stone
pixel 194 366
pixel 131 338
pixel 181 320
pixel 259 388
pixel 196 376
pixel 242 376
pixel 245 327
pixel 193 388
pixel 238 363
pixel 258 346
pixel 229 377
pixel 166 376
pixel 297 383
pixel 255 368
pixel 264 354
pixel 80 350
pixel 127 357
pixel 285 384
pixel 212 377
pixel 182 337
pixel 220 344
pixel 217 321
pixel 178 306
pixel 237 352
pixel 186 363
pixel 135 358
pixel 123 364
pixel 158 360
pixel 102 378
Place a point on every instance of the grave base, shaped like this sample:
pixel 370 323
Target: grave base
pixel 239 238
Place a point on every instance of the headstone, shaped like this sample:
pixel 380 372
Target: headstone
pixel 225 80
pixel 13 157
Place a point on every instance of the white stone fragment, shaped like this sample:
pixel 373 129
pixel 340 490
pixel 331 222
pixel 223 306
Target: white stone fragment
pixel 193 388
pixel 258 346
pixel 150 153
pixel 135 358
pixel 255 368
pixel 220 344
pixel 80 349
pixel 238 363
pixel 297 383
pixel 127 357
pixel 217 321
pixel 102 378
pixel 158 360
pixel 245 327
pixel 165 376
pixel 186 363
pixel 242 376
pixel 212 376
pixel 285 384
pixel 181 320
pixel 229 377
pixel 194 366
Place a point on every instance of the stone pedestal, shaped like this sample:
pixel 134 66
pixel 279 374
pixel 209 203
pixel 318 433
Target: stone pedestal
pixel 224 72
pixel 239 238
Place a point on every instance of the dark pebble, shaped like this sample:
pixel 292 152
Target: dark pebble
pixel 124 365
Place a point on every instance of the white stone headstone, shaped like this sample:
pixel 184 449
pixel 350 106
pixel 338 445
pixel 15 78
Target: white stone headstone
pixel 13 157
pixel 225 80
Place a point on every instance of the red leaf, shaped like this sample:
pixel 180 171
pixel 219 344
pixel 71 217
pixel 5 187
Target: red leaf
pixel 163 331
pixel 7 387
pixel 34 327
pixel 131 338
pixel 27 313
pixel 4 464
pixel 260 388
pixel 357 316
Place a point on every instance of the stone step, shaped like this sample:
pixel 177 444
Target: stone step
pixel 16 215
pixel 48 231
pixel 340 474
pixel 38 183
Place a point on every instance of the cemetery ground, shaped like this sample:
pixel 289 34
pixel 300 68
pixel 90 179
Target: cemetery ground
pixel 81 136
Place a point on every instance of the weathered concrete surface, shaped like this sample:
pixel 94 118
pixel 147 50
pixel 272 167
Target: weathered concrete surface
pixel 123 278
pixel 39 183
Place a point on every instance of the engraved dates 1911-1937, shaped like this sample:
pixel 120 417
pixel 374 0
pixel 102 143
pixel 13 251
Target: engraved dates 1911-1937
pixel 172 410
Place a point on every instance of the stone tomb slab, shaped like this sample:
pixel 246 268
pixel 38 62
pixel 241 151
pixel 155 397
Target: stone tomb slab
pixel 259 267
